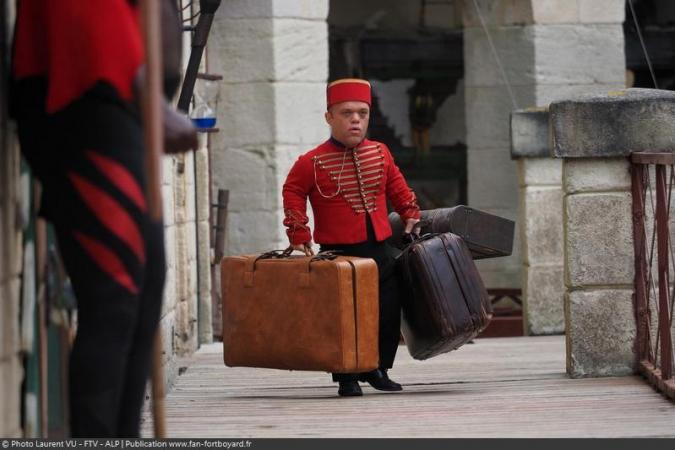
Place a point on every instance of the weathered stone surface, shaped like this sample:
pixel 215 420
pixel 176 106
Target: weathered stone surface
pixel 555 11
pixel 600 333
pixel 492 179
pixel 204 289
pixel 487 114
pixel 252 232
pixel 543 299
pixel 602 11
pixel 579 54
pixel 202 182
pixel 599 239
pixel 597 174
pixel 12 373
pixel 539 172
pixel 497 12
pixel 529 133
pixel 168 205
pixel 542 226
pixel 548 93
pixel 616 124
pixel 299 113
pixel 248 184
pixel 248 115
pixel 300 50
pixel 515 47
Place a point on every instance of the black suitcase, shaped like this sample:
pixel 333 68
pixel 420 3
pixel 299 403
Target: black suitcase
pixel 486 235
pixel 444 301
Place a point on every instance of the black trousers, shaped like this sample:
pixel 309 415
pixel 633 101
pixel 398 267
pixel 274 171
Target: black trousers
pixel 89 158
pixel 390 304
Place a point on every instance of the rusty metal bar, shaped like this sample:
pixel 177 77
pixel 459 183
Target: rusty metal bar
pixel 655 377
pixel 640 297
pixel 665 159
pixel 663 271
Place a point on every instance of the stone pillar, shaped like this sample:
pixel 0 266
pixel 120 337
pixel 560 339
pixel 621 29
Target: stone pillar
pixel 549 50
pixel 273 56
pixel 594 135
pixel 541 222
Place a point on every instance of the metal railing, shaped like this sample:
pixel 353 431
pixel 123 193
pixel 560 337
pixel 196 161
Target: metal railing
pixel 653 175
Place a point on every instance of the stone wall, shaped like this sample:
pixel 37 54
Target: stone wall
pixel 549 50
pixel 273 56
pixel 594 135
pixel 11 255
pixel 541 220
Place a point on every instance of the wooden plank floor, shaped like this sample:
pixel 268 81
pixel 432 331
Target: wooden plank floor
pixel 502 387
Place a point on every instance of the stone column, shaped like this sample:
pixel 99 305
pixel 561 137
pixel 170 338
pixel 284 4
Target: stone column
pixel 594 135
pixel 273 56
pixel 541 222
pixel 549 50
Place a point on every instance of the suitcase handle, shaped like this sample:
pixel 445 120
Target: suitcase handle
pixel 285 254
pixel 415 238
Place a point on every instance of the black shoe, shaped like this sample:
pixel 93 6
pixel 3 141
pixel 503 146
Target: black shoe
pixel 349 389
pixel 379 379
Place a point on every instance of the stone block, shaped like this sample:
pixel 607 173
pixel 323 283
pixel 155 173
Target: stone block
pixel 542 226
pixel 204 289
pixel 168 205
pixel 488 110
pixel 529 133
pixel 242 49
pixel 579 54
pixel 306 9
pixel 555 11
pixel 443 15
pixel 540 172
pixel 12 373
pixel 252 232
pixel 548 93
pixel 9 324
pixel 299 113
pixel 516 49
pixel 602 11
pixel 300 50
pixel 596 174
pixel 202 183
pixel 598 239
pixel 600 329
pixel 248 184
pixel 167 332
pixel 168 164
pixel 170 245
pixel 182 264
pixel 248 116
pixel 543 299
pixel 492 179
pixel 169 297
pixel 615 124
pixel 497 13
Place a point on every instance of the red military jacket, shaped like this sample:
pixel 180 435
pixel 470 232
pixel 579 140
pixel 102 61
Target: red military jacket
pixel 343 185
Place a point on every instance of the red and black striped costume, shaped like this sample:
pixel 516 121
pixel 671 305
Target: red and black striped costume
pixel 73 66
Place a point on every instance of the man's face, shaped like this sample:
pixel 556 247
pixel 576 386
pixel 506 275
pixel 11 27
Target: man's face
pixel 349 122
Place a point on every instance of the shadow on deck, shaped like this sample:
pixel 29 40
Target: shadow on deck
pixel 501 387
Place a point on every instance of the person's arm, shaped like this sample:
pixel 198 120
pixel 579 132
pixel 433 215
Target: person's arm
pixel 296 188
pixel 401 196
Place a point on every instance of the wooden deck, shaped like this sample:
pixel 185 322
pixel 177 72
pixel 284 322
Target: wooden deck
pixel 502 387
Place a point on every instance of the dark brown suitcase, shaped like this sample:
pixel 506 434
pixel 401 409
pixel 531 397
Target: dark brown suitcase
pixel 300 313
pixel 444 301
pixel 486 235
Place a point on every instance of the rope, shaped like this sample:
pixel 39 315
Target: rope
pixel 496 56
pixel 642 43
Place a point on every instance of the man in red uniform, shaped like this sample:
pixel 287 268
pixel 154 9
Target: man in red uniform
pixel 348 180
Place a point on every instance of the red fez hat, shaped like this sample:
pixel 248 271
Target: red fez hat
pixel 347 89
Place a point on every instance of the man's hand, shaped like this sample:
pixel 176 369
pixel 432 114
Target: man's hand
pixel 411 226
pixel 305 248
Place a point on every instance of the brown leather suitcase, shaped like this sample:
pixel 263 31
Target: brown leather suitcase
pixel 300 313
pixel 444 301
pixel 486 235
